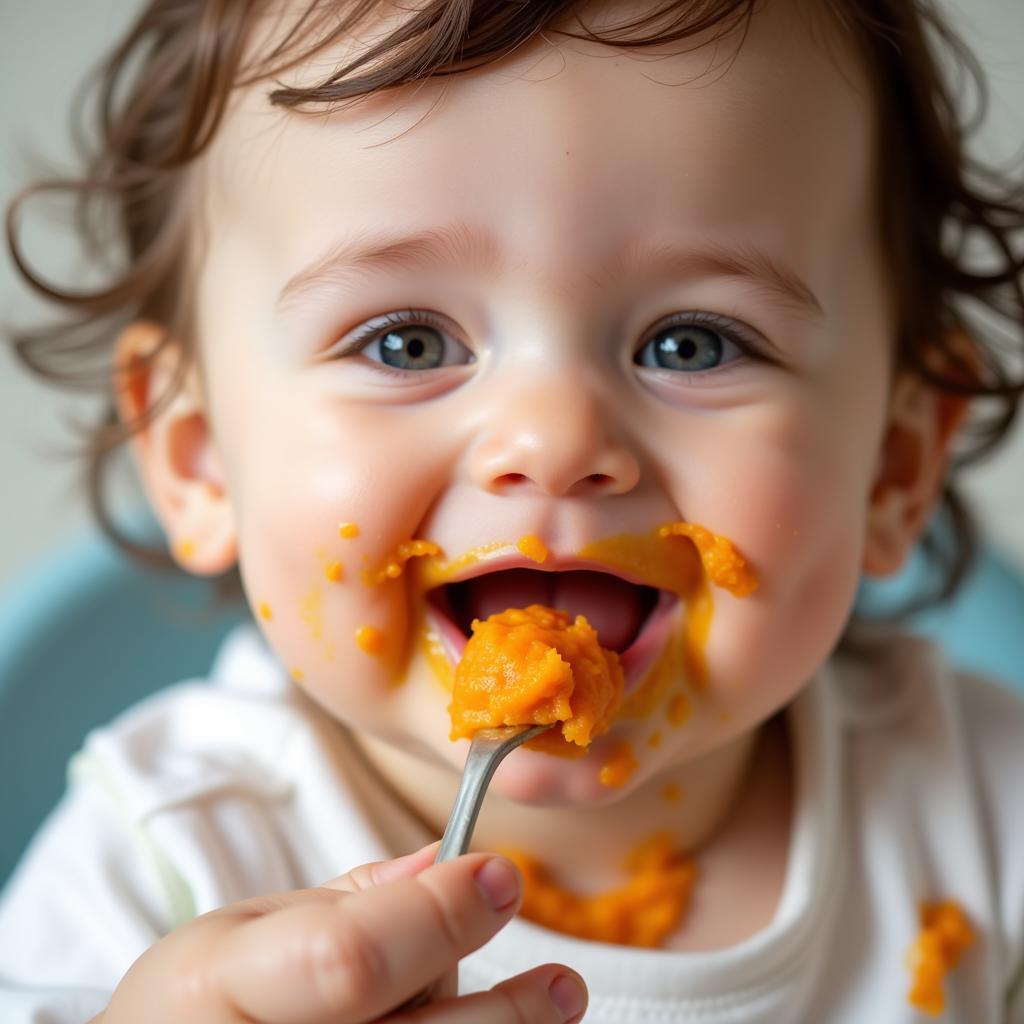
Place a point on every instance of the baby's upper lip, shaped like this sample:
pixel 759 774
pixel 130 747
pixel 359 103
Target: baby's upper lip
pixel 553 563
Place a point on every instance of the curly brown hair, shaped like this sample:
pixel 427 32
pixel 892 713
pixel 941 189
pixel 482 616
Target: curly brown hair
pixel 163 92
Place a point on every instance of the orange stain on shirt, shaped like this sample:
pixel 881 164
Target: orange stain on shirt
pixel 945 934
pixel 642 911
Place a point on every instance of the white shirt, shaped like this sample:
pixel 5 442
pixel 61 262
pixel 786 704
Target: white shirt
pixel 908 783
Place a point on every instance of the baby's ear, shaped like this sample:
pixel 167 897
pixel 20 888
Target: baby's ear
pixel 912 466
pixel 175 452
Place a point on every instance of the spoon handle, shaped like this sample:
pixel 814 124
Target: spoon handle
pixel 486 752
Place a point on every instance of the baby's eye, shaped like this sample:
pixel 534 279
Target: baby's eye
pixel 689 346
pixel 409 341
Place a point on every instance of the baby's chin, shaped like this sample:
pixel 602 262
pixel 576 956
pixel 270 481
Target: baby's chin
pixel 538 779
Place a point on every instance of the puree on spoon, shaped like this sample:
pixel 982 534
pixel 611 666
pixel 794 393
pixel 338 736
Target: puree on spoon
pixel 535 666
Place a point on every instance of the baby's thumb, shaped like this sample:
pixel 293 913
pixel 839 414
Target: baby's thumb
pixel 366 876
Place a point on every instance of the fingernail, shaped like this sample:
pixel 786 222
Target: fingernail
pixel 568 996
pixel 498 880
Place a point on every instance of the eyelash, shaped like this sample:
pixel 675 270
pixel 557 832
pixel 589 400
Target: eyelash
pixel 727 328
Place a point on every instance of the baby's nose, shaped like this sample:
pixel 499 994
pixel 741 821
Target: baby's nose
pixel 556 439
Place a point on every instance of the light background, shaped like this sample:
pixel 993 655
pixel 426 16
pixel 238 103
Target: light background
pixel 46 46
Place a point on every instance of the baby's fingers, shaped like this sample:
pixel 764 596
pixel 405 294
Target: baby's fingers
pixel 545 995
pixel 356 958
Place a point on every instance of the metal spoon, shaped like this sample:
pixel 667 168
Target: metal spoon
pixel 488 749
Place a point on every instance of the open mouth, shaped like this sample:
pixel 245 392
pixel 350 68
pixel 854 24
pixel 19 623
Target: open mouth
pixel 630 618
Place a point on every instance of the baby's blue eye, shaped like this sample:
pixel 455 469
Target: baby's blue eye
pixel 412 348
pixel 410 341
pixel 687 347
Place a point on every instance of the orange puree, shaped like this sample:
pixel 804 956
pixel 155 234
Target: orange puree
pixel 348 530
pixel 394 565
pixel 533 547
pixel 725 566
pixel 619 768
pixel 536 666
pixel 370 640
pixel 640 912
pixel 945 934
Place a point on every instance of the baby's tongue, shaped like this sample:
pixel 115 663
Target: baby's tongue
pixel 614 608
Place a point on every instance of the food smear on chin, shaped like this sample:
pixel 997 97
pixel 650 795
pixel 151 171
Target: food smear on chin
pixel 945 934
pixel 536 666
pixel 619 767
pixel 642 911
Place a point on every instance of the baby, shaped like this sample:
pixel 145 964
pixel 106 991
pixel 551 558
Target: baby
pixel 439 310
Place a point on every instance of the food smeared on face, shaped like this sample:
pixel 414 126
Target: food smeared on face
pixel 535 666
pixel 646 596
pixel 619 767
pixel 945 934
pixel 642 911
pixel 370 640
pixel 533 547
pixel 394 564
pixel 725 566
pixel 348 530
pixel 265 611
pixel 334 571
pixel 671 792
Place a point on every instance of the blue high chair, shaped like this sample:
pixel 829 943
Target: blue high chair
pixel 86 633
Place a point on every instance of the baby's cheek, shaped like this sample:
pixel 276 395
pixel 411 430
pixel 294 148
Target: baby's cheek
pixel 801 520
pixel 304 559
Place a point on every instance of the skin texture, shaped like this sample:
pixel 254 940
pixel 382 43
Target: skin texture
pixel 807 452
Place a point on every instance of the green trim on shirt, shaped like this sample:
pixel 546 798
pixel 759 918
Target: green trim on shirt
pixel 181 904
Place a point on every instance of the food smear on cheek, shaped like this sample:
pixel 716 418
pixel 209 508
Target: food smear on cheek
pixel 945 934
pixel 642 911
pixel 265 611
pixel 682 558
pixel 348 530
pixel 725 566
pixel 619 767
pixel 370 640
pixel 536 666
pixel 394 564
pixel 671 792
pixel 334 572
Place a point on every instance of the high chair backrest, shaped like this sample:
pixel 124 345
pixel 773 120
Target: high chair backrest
pixel 84 634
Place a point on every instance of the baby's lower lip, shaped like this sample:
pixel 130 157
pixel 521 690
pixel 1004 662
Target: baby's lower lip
pixel 636 659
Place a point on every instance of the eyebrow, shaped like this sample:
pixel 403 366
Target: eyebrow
pixel 460 245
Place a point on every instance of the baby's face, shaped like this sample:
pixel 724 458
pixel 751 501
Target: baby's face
pixel 618 291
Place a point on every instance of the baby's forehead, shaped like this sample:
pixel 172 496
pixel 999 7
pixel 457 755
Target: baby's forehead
pixel 770 133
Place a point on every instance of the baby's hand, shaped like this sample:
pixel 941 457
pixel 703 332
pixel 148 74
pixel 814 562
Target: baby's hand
pixel 353 950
